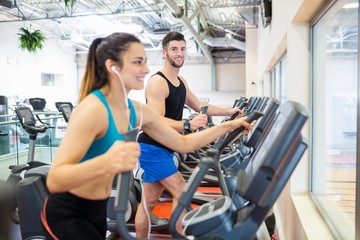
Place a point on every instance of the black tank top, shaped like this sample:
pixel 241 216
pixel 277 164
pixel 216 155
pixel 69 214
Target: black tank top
pixel 174 105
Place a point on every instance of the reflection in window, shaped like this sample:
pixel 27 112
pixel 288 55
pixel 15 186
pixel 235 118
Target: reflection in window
pixel 279 81
pixel 335 44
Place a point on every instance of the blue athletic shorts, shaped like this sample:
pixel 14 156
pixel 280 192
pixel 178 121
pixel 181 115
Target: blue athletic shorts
pixel 156 162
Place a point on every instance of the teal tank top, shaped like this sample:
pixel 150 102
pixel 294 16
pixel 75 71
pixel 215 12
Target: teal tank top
pixel 101 145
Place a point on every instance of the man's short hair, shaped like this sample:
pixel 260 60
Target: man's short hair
pixel 171 36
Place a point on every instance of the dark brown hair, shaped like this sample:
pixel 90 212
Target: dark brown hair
pixel 171 36
pixel 111 47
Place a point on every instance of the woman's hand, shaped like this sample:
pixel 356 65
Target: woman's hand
pixel 122 156
pixel 241 121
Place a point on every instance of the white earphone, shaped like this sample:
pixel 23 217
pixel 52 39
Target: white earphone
pixel 113 68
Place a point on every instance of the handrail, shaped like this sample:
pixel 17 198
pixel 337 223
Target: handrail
pixel 54 113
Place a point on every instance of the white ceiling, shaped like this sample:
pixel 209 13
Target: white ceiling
pixel 214 29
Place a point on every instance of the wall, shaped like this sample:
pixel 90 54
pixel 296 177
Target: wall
pixel 20 71
pixel 289 34
pixel 228 79
pixel 252 63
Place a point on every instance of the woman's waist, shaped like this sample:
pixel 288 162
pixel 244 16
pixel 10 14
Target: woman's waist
pixel 94 190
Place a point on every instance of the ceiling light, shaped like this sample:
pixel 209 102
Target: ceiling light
pixel 351 5
pixel 222 16
pixel 228 35
pixel 133 28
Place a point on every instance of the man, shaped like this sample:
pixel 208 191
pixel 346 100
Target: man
pixel 167 93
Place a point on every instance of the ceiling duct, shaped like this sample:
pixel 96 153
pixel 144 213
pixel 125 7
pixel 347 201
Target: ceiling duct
pixel 7 3
pixel 224 42
pixel 179 13
pixel 266 12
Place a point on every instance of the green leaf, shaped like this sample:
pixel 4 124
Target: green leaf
pixel 31 41
pixel 70 4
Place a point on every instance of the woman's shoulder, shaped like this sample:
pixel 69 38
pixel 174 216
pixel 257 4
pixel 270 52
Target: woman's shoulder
pixel 90 106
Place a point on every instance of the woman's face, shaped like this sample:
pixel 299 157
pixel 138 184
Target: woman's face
pixel 134 67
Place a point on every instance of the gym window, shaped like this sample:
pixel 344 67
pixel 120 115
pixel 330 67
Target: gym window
pixel 47 79
pixel 334 113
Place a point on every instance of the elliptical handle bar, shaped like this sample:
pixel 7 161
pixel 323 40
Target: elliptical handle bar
pixel 27 121
pixel 33 128
pixel 229 137
pixel 45 124
pixel 122 187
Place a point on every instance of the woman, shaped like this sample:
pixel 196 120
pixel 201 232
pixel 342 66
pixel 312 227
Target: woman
pixel 92 151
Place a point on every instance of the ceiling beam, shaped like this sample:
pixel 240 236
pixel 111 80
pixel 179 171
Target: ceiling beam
pixel 179 13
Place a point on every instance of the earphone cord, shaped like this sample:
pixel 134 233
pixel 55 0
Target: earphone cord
pixel 125 97
pixel 140 125
pixel 141 116
pixel 141 180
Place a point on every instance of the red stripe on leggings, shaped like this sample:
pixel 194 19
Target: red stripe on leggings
pixel 44 221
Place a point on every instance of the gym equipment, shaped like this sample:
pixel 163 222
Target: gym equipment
pixel 192 159
pixel 260 183
pixel 3 133
pixel 38 104
pixel 32 193
pixel 124 179
pixel 28 122
pixel 37 132
pixel 133 196
pixel 248 144
pixel 236 153
pixel 65 108
pixel 122 193
pixel 4 130
pixel 6 193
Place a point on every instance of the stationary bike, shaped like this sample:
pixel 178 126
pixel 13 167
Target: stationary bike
pixel 65 108
pixel 28 123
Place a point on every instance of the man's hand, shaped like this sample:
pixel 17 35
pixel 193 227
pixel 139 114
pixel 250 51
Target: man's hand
pixel 236 110
pixel 199 121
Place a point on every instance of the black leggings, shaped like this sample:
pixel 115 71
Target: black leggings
pixel 66 216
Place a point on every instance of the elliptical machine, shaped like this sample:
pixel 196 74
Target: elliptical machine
pixel 258 185
pixel 120 204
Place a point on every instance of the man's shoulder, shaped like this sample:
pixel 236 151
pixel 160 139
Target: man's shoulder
pixel 157 83
pixel 157 78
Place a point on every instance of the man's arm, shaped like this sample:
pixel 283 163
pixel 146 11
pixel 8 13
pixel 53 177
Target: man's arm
pixel 194 103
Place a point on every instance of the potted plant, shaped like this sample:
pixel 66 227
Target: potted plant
pixel 70 4
pixel 31 41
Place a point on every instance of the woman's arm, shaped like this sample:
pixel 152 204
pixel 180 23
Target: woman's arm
pixel 83 128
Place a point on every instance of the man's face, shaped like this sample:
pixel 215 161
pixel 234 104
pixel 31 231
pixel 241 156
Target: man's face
pixel 175 53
